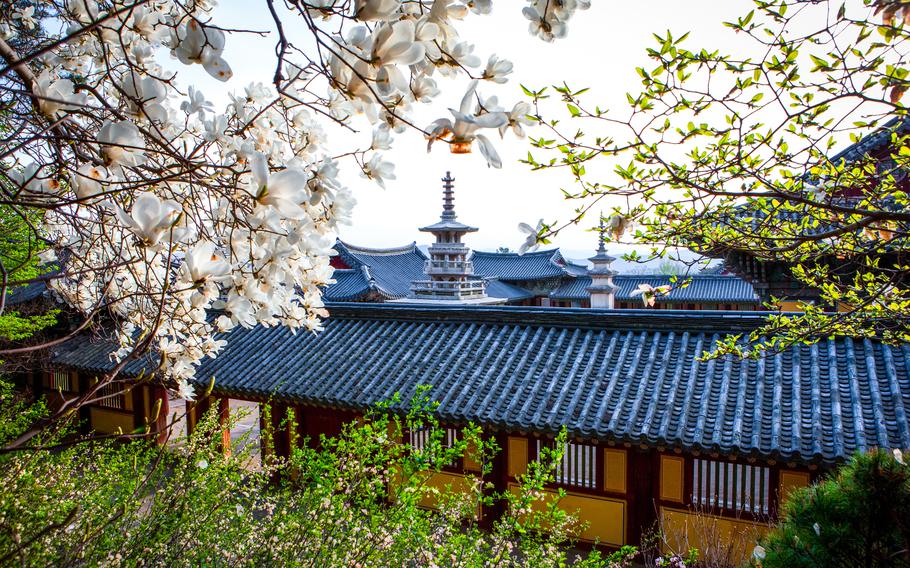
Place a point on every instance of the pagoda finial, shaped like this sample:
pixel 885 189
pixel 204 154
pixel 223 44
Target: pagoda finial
pixel 448 197
pixel 602 231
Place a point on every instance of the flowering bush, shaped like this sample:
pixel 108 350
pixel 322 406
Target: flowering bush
pixel 353 502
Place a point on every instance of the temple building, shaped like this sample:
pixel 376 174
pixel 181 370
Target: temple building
pixel 450 271
pixel 656 432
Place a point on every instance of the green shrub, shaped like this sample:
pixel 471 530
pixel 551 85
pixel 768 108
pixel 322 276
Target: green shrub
pixel 857 517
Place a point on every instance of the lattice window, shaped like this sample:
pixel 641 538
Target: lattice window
pixel 733 486
pixel 419 439
pixel 578 466
pixel 111 396
pixel 62 381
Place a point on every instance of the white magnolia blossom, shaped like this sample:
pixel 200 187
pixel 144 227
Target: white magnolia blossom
pixel 122 143
pixel 285 191
pixel 25 15
pixel 144 97
pixel 463 131
pixel 169 208
pixel 192 42
pixel 375 9
pixel 32 181
pixel 480 6
pixel 196 103
pixel 649 294
pixel 88 181
pixel 518 119
pixel 150 218
pixel 382 138
pixel 202 264
pixel 56 95
pixel 549 20
pixel 378 170
pixel 497 69
pixel 532 235
pixel 617 225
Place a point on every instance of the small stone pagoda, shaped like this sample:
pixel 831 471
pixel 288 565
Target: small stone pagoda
pixel 450 272
pixel 602 289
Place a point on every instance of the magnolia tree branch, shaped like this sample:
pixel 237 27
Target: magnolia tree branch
pixel 171 221
pixel 734 154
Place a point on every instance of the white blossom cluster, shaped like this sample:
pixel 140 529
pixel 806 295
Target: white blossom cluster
pixel 176 220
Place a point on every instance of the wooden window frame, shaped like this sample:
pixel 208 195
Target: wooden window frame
pixel 112 400
pixel 593 485
pixel 768 492
pixel 70 381
pixel 451 435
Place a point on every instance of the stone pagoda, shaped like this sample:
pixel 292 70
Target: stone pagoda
pixel 602 289
pixel 450 272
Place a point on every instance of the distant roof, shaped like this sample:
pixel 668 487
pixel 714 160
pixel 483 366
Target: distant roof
pixel 874 141
pixel 513 266
pixel 499 289
pixel 350 284
pixel 615 375
pixel 714 288
pixel 389 271
pixel 92 354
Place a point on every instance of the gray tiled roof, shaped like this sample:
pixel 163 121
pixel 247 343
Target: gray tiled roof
pixel 574 289
pixel 389 272
pixel 623 375
pixel 392 270
pixel 714 288
pixel 615 375
pixel 93 354
pixel 350 284
pixel 498 289
pixel 872 142
pixel 512 266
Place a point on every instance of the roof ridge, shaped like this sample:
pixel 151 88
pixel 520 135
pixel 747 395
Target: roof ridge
pixel 680 276
pixel 354 249
pixel 515 254
pixel 720 322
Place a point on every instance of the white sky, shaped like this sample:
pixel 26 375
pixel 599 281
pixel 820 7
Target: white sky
pixel 604 46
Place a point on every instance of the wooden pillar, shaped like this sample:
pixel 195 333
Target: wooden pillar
pixel 496 476
pixel 194 412
pixel 224 416
pixel 81 383
pixel 197 409
pixel 282 439
pixel 279 444
pixel 499 476
pixel 644 466
pixel 160 426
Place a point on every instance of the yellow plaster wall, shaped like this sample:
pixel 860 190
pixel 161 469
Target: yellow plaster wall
pixel 790 306
pixel 441 483
pixel 671 478
pixel 108 421
pixel 517 460
pixel 790 480
pixel 683 529
pixel 470 458
pixel 604 518
pixel 614 470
